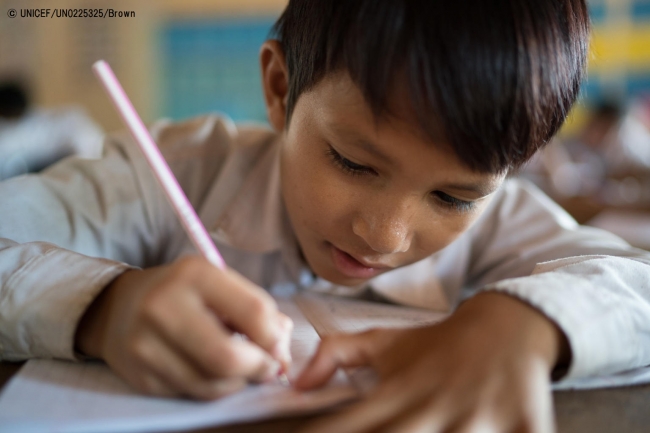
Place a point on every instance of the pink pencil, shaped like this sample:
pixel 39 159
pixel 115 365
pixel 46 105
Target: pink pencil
pixel 186 214
pixel 181 205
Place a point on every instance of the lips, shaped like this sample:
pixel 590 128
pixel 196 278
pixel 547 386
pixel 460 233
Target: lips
pixel 353 268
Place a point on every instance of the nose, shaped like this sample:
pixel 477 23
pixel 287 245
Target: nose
pixel 385 227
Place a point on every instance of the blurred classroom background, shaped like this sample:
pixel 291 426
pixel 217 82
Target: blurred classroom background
pixel 183 58
pixel 175 58
pixel 598 168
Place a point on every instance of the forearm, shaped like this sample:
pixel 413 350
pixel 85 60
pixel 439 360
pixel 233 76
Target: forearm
pixel 45 290
pixel 508 316
pixel 89 334
pixel 589 282
pixel 601 304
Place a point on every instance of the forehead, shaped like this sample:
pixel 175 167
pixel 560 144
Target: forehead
pixel 339 99
pixel 341 112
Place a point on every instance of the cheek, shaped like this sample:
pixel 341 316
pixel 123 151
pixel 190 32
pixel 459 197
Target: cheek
pixel 447 228
pixel 316 199
pixel 439 232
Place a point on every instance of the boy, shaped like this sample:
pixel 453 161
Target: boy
pixel 396 124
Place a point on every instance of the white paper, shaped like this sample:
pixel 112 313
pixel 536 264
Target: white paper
pixel 334 314
pixel 330 315
pixel 60 396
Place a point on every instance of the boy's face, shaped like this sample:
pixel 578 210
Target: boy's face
pixel 367 195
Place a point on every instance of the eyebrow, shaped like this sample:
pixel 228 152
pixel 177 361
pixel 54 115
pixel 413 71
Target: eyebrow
pixel 482 189
pixel 361 142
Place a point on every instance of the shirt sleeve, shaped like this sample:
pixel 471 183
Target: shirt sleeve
pixel 68 232
pixel 592 284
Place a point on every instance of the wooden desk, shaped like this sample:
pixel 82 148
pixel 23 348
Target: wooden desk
pixel 618 410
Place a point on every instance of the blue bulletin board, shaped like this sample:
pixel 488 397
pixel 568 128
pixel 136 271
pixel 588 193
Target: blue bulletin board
pixel 619 67
pixel 213 65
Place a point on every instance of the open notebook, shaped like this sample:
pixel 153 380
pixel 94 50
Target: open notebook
pixel 49 395
pixel 63 396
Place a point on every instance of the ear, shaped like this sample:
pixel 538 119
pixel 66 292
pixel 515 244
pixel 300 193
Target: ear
pixel 275 82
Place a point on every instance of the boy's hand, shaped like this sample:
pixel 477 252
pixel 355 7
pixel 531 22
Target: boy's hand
pixel 168 330
pixel 485 369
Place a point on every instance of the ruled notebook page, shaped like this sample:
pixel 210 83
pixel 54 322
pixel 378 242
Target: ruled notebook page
pixel 334 314
pixel 50 395
pixel 63 396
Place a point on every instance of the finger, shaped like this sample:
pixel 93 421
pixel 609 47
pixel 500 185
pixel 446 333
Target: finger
pixel 180 374
pixel 282 349
pixel 538 405
pixel 516 412
pixel 478 424
pixel 379 409
pixel 222 387
pixel 241 304
pixel 151 384
pixel 140 377
pixel 194 332
pixel 253 312
pixel 342 350
pixel 420 418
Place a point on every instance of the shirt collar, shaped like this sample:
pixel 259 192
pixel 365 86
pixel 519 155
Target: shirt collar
pixel 256 221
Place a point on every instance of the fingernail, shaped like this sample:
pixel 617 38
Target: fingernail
pixel 282 352
pixel 285 324
pixel 286 357
pixel 223 387
pixel 284 380
pixel 273 370
pixel 297 380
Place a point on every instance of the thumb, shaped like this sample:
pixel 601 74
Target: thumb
pixel 340 350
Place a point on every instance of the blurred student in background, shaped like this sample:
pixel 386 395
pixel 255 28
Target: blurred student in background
pixel 33 138
pixel 601 174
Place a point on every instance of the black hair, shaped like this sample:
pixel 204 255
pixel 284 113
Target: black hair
pixel 13 99
pixel 499 77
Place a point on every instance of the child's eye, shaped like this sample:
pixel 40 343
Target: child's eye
pixel 453 202
pixel 348 166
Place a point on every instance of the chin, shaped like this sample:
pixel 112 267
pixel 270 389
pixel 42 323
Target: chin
pixel 330 273
pixel 345 281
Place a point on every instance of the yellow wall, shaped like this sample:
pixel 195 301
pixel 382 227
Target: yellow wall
pixel 54 55
pixel 234 7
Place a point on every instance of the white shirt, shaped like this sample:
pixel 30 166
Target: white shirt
pixel 43 136
pixel 69 231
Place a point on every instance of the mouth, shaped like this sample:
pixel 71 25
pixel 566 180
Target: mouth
pixel 352 267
